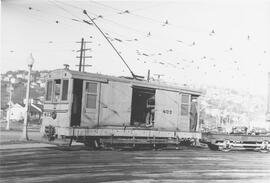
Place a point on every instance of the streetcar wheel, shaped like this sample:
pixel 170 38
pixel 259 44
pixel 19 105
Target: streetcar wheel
pixel 213 147
pixel 92 143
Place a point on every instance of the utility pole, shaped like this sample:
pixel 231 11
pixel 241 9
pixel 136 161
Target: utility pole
pixel 9 105
pixel 25 123
pixel 82 56
pixel 80 64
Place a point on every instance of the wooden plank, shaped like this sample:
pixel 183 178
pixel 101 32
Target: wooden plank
pixel 115 104
pixel 138 141
pixel 213 138
pixel 166 109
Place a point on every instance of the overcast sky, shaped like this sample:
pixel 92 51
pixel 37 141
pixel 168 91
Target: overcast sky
pixel 223 43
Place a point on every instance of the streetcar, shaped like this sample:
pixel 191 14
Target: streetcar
pixel 99 110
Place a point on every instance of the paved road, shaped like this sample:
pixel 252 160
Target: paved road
pixel 53 164
pixel 15 136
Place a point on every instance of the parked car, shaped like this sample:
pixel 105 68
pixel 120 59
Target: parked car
pixel 259 131
pixel 240 130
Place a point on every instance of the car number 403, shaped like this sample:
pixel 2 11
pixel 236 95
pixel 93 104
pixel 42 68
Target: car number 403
pixel 167 111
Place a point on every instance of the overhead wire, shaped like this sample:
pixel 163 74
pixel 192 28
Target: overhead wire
pixel 130 12
pixel 127 27
pixel 56 3
pixel 116 9
pixel 111 21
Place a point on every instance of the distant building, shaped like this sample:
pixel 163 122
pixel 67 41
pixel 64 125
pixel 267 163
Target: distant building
pixel 10 75
pixel 16 112
pixel 21 76
pixel 6 78
pixel 13 80
pixel 43 75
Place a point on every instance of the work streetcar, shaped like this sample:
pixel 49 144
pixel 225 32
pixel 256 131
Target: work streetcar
pixel 99 109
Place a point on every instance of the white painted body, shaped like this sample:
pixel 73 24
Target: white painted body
pixel 112 114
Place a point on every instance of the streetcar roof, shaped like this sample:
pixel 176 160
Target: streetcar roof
pixel 66 73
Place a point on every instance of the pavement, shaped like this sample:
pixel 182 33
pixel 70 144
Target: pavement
pixel 33 161
pixel 56 164
pixel 12 136
pixel 25 145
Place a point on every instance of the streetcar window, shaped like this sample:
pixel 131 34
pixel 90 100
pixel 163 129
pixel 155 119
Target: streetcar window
pixel 57 89
pixel 65 90
pixel 185 98
pixel 184 105
pixel 91 95
pixel 49 90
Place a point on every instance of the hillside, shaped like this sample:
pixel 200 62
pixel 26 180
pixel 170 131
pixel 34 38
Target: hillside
pixel 18 79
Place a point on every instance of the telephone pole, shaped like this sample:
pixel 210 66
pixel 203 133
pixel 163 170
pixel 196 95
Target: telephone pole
pixel 25 123
pixel 9 105
pixel 80 64
pixel 82 56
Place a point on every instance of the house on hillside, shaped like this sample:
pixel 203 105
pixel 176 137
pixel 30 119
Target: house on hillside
pixel 43 75
pixel 21 76
pixel 6 78
pixel 17 111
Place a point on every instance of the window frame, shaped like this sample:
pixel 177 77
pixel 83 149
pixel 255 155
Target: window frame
pixel 186 104
pixel 53 90
pixel 92 94
pixel 46 94
pixel 61 92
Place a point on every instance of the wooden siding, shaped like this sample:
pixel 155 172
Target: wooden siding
pixel 62 111
pixel 115 104
pixel 166 110
pixel 115 98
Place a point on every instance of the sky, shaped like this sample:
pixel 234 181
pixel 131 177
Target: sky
pixel 195 42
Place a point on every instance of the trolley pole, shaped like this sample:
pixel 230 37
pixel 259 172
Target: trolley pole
pixel 25 123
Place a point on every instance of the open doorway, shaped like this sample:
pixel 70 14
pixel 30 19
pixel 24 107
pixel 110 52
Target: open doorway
pixel 77 102
pixel 143 106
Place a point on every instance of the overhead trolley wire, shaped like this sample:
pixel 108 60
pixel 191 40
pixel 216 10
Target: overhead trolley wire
pixel 130 12
pixel 56 3
pixel 116 23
